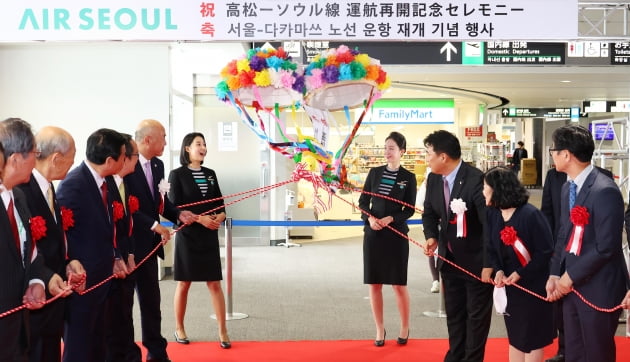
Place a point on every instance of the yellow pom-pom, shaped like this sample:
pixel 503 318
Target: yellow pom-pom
pixel 262 78
pixel 242 65
pixel 364 59
pixel 386 84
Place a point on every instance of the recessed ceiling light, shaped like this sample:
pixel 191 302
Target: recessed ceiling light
pixel 565 81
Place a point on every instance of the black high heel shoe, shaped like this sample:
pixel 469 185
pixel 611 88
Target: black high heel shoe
pixel 225 344
pixel 380 342
pixel 402 341
pixel 180 340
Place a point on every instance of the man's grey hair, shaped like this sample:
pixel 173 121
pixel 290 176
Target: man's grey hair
pixel 52 142
pixel 16 136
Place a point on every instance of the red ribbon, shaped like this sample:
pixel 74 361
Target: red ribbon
pixel 579 217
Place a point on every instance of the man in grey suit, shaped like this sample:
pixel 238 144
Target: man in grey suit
pixel 588 258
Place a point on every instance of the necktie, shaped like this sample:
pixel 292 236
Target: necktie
pixel 149 175
pixel 447 195
pixel 572 194
pixel 51 199
pixel 14 227
pixel 447 199
pixel 121 190
pixel 104 195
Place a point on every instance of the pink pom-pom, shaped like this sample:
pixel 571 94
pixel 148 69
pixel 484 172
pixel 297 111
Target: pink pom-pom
pixel 286 79
pixel 315 79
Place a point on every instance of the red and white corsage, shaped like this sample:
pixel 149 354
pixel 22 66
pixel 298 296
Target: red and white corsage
pixel 458 206
pixel 163 187
pixel 510 238
pixel 579 217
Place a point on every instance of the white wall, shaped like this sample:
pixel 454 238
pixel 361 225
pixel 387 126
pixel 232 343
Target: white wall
pixel 85 86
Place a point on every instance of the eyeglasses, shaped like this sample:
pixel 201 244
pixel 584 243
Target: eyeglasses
pixel 555 149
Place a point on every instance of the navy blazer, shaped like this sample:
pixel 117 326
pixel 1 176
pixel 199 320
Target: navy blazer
pixel 91 239
pixel 145 239
pixel 599 273
pixel 404 190
pixel 468 252
pixel 16 272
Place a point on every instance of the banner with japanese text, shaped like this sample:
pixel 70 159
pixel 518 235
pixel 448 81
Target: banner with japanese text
pixel 261 20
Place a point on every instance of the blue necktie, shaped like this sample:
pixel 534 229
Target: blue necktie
pixel 572 194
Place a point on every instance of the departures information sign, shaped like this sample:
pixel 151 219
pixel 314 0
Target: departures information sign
pixel 523 52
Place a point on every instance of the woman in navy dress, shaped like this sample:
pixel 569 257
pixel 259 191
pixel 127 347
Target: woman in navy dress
pixel 197 255
pixel 519 252
pixel 386 253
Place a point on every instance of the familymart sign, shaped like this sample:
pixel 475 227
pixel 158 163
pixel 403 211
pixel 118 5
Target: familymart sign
pixel 412 111
pixel 263 20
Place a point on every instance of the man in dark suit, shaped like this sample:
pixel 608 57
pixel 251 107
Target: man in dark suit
pixel 519 153
pixel 550 207
pixel 91 241
pixel 588 257
pixel 468 302
pixel 24 275
pixel 56 152
pixel 144 183
pixel 121 345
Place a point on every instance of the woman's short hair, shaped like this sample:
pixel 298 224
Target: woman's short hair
pixel 399 139
pixel 507 189
pixel 184 157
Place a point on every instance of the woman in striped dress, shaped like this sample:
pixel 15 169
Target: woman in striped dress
pixel 385 252
pixel 197 256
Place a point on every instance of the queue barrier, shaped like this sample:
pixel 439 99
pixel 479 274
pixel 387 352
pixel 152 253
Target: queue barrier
pixel 229 223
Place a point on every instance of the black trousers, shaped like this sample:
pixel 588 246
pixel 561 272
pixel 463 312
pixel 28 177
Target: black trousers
pixel 468 305
pixel 148 289
pixel 121 345
pixel 46 332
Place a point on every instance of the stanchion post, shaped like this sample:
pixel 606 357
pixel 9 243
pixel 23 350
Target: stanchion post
pixel 441 312
pixel 228 274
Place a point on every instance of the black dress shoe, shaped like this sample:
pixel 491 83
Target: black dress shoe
pixel 402 341
pixel 225 345
pixel 380 342
pixel 556 358
pixel 180 340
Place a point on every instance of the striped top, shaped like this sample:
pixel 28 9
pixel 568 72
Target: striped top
pixel 200 180
pixel 388 180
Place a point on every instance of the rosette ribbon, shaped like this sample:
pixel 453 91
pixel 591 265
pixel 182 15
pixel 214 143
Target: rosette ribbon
pixel 163 187
pixel 458 206
pixel 579 217
pixel 510 238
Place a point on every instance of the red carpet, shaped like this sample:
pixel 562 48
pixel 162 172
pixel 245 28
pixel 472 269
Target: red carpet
pixel 347 351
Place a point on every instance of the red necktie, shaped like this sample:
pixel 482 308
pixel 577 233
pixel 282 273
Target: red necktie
pixel 104 195
pixel 14 227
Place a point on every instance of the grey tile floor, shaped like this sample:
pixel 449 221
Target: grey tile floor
pixel 312 292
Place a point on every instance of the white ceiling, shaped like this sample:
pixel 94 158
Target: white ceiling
pixel 523 86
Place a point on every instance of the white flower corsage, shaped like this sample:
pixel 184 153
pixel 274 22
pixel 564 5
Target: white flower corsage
pixel 164 187
pixel 458 206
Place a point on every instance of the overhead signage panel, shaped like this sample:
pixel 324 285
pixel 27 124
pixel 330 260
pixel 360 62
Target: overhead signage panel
pixel 261 20
pixel 525 53
pixel 406 53
pixel 412 111
pixel 539 112
pixel 620 53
